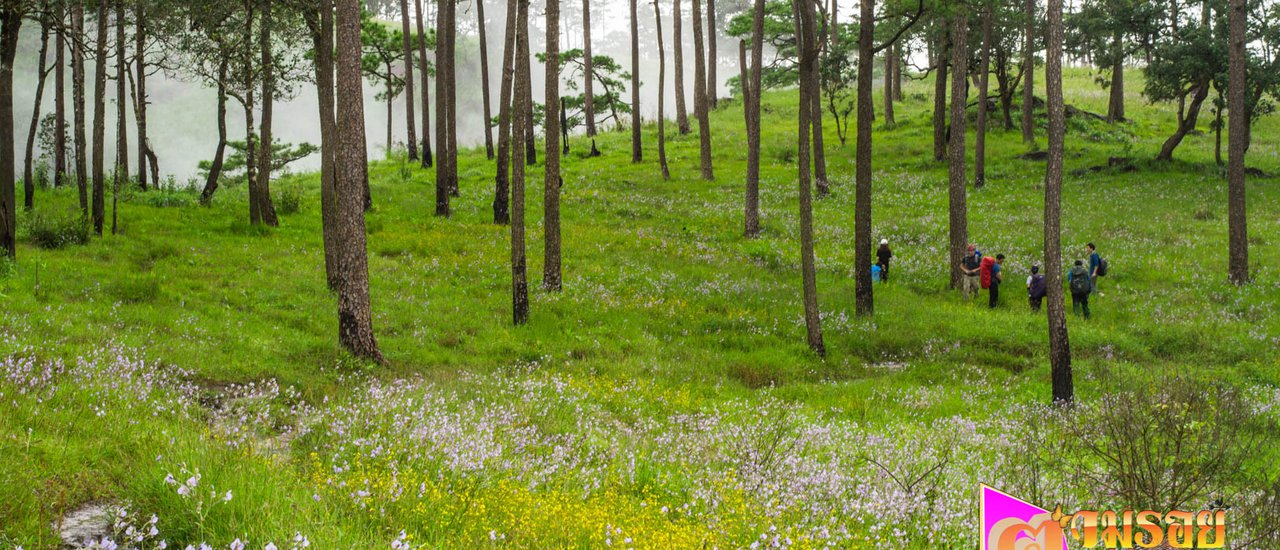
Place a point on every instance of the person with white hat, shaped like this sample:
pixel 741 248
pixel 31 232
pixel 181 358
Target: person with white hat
pixel 883 255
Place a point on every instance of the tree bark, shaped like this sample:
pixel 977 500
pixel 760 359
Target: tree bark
pixel 426 85
pixel 940 94
pixel 815 122
pixel 1115 106
pixel 501 190
pixel 28 172
pixel 1029 71
pixel 451 118
pixel 588 71
pixel 215 168
pixel 677 38
pixel 484 80
pixel 250 141
pixel 700 103
pixel 321 23
pixel 864 296
pixel 551 180
pixel 752 90
pixel 265 206
pixel 897 73
pixel 10 24
pixel 122 142
pixel 1238 143
pixel 79 106
pixel 99 119
pixel 889 121
pixel 443 185
pixel 60 97
pixel 530 130
pixel 410 117
pixel 713 84
pixel 637 150
pixel 662 88
pixel 1059 341
pixel 355 319
pixel 984 79
pixel 956 150
pixel 808 51
pixel 519 269
pixel 146 157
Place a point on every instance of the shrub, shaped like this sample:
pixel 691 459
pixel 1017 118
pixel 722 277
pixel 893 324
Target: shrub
pixel 53 231
pixel 290 201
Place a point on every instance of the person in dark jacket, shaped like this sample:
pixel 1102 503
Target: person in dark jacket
pixel 883 255
pixel 997 277
pixel 1081 285
pixel 1036 288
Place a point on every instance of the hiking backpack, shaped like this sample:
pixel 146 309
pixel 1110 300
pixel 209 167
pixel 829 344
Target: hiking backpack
pixel 1102 267
pixel 1080 283
pixel 1037 289
pixel 985 271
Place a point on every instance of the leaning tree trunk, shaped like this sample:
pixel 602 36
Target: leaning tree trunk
pixel 1028 72
pixel 1115 106
pixel 519 267
pixel 662 88
pixel 984 78
pixel 863 294
pixel 423 68
pixel 10 23
pixel 100 120
pixel 484 80
pixel 1201 91
pixel 355 318
pixel 637 152
pixel 713 84
pixel 322 40
pixel 265 207
pixel 940 95
pixel 28 177
pixel 443 185
pixel 410 117
pixel 501 207
pixel 60 99
pixel 1238 143
pixel 215 168
pixel 551 174
pixel 677 38
pixel 955 153
pixel 751 228
pixel 1059 341
pixel 700 103
pixel 122 142
pixel 79 107
pixel 808 61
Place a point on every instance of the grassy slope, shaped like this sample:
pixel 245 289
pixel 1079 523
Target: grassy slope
pixel 660 292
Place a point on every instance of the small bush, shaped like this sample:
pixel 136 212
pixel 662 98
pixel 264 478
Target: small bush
pixel 290 201
pixel 54 231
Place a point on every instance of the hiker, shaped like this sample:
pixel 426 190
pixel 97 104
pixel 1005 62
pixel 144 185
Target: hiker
pixel 1036 289
pixel 991 278
pixel 882 259
pixel 1081 285
pixel 969 271
pixel 1095 263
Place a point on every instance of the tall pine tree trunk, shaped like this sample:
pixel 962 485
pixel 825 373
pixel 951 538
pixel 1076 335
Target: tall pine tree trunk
pixel 1059 341
pixel 265 206
pixel 321 23
pixel 677 38
pixel 519 267
pixel 501 188
pixel 28 172
pixel 752 217
pixel 10 24
pixel 1238 143
pixel 60 97
pixel 588 72
pixel 100 120
pixel 889 120
pixel 355 318
pixel 1028 73
pixel 146 157
pixel 713 60
pixel 1115 107
pixel 451 98
pixel 122 142
pixel 959 209
pixel 423 68
pixel 662 89
pixel 808 51
pixel 700 102
pixel 863 294
pixel 941 63
pixel 410 117
pixel 637 152
pixel 484 80
pixel 443 185
pixel 551 174
pixel 984 78
pixel 79 106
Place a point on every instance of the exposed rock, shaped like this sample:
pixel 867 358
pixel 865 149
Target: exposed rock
pixel 91 521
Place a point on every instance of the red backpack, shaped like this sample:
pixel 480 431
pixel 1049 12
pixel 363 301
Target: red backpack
pixel 984 270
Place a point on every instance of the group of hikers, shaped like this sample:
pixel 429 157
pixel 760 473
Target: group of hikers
pixel 979 272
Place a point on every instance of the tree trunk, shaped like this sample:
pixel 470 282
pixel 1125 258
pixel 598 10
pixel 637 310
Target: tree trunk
pixel 984 80
pixel 322 40
pixel 864 296
pixel 1188 122
pixel 484 80
pixel 122 142
pixel 752 217
pixel 60 98
pixel 897 73
pixel 79 106
pixel 265 206
pixel 1238 139
pixel 955 154
pixel 940 95
pixel 677 38
pixel 700 104
pixel 1059 341
pixel 501 208
pixel 145 154
pixel 410 117
pixel 662 88
pixel 250 143
pixel 426 87
pixel 100 120
pixel 28 172
pixel 443 185
pixel 713 84
pixel 451 120
pixel 530 136
pixel 1028 72
pixel 519 269
pixel 1115 107
pixel 551 180
pixel 391 113
pixel 815 122
pixel 588 71
pixel 889 121
pixel 637 151
pixel 808 52
pixel 215 168
pixel 355 319
pixel 10 24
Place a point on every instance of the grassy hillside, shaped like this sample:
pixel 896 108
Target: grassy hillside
pixel 666 397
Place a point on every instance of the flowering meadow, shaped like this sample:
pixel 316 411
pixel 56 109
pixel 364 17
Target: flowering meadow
pixel 179 385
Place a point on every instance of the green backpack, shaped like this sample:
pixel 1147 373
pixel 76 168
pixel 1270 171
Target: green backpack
pixel 1080 283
